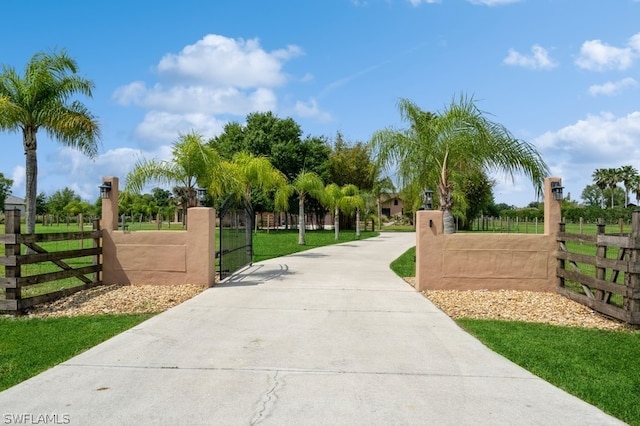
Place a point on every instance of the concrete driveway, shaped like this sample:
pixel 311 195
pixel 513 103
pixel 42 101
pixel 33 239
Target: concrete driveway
pixel 326 336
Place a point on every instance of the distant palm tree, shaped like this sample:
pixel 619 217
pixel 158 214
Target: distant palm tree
pixel 627 174
pixel 440 150
pixel 306 184
pixel 41 99
pixel 607 178
pixel 346 199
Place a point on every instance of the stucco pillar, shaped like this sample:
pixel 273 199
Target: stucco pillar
pixel 429 225
pixel 110 205
pixel 201 247
pixel 552 208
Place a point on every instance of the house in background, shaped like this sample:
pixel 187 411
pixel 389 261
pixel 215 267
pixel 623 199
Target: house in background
pixel 12 203
pixel 391 205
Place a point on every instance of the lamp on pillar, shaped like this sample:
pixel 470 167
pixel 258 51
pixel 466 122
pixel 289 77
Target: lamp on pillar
pixel 556 190
pixel 201 195
pixel 428 199
pixel 105 190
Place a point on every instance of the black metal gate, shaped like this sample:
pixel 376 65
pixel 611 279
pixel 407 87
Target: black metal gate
pixel 236 238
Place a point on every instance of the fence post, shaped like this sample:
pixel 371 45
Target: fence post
pixel 12 227
pixel 561 245
pixel 632 280
pixel 601 253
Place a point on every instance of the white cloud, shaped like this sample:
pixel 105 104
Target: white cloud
pixel 596 55
pixel 223 61
pixel 204 83
pixel 539 59
pixel 598 141
pixel 310 109
pixel 492 2
pixel 18 175
pixel 612 87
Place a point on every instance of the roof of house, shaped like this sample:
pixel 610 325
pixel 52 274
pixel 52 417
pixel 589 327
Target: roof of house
pixel 12 199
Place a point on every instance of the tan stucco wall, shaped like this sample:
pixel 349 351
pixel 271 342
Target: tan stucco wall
pixel 465 261
pixel 158 257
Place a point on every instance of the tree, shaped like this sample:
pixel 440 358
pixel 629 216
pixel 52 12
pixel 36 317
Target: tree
pixel 41 99
pixel 442 149
pixel 60 199
pixel 627 175
pixel 193 164
pixel 592 195
pixel 5 189
pixel 306 184
pixel 607 179
pixel 346 199
pixel 351 165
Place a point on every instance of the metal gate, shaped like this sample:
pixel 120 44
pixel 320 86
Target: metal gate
pixel 236 238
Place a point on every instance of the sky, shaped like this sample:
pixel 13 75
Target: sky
pixel 562 75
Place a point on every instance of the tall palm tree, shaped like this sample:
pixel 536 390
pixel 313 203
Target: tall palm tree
pixel 607 178
pixel 42 99
pixel 306 184
pixel 439 150
pixel 194 163
pixel 627 174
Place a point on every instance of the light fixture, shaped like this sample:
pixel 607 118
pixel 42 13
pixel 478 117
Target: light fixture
pixel 428 199
pixel 105 190
pixel 556 190
pixel 201 195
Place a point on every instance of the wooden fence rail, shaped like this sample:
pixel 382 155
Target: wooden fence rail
pixel 13 260
pixel 598 289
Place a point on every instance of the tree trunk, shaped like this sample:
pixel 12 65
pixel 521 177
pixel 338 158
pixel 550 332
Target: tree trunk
pixel 301 229
pixel 448 222
pixel 336 223
pixel 358 223
pixel 31 189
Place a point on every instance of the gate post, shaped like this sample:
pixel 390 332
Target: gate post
pixel 13 291
pixel 632 279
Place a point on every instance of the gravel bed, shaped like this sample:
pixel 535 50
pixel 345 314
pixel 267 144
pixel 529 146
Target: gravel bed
pixel 117 299
pixel 511 305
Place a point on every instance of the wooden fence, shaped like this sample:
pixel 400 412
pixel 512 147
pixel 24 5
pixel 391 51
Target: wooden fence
pixel 15 280
pixel 604 281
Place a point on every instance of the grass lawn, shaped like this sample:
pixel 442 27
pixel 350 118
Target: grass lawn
pixel 267 245
pixel 31 345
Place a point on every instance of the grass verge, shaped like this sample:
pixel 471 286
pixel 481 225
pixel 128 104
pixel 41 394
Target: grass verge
pixel 30 346
pixel 283 242
pixel 597 366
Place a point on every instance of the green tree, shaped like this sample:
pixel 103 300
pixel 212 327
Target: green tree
pixel 194 164
pixel 592 195
pixel 306 184
pixel 41 99
pixel 607 178
pixel 351 165
pixel 57 202
pixel 5 189
pixel 440 150
pixel 478 194
pixel 346 199
pixel 627 175
pixel 41 204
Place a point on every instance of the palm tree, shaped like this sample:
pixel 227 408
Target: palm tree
pixel 352 201
pixel 440 150
pixel 306 184
pixel 382 187
pixel 194 163
pixel 627 174
pixel 607 179
pixel 41 99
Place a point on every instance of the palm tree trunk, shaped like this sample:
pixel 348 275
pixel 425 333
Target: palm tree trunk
pixel 448 222
pixel 30 145
pixel 336 223
pixel 358 223
pixel 301 239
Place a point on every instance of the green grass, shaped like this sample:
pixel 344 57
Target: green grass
pixel 597 366
pixel 283 242
pixel 29 346
pixel 405 265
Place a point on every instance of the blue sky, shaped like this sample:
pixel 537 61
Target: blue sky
pixel 562 75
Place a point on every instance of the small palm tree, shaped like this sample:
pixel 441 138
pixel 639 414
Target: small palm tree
pixel 194 163
pixel 442 149
pixel 352 201
pixel 41 99
pixel 306 184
